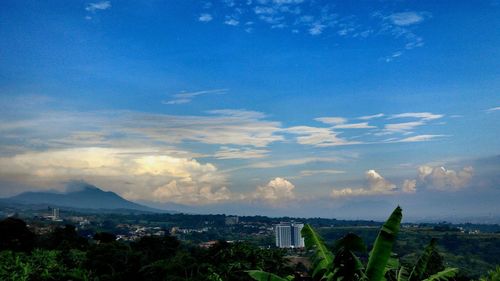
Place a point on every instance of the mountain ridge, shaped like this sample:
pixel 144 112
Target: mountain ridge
pixel 80 195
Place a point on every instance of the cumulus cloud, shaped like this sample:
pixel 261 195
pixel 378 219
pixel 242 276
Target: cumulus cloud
pixel 277 189
pixel 440 178
pixel 375 185
pixel 410 186
pixel 183 193
pixel 136 174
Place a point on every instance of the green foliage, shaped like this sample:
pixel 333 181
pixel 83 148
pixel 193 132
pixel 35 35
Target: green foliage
pixel 420 268
pixel 266 276
pixel 443 275
pixel 382 247
pixel 346 265
pixel 322 258
pixel 15 235
pixel 493 275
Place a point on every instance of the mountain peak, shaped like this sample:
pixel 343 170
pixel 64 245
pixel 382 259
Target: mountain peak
pixel 80 185
pixel 80 195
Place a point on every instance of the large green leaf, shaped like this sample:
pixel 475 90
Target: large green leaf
pixel 346 265
pixel 403 274
pixel 265 276
pixel 322 258
pixel 443 275
pixel 421 266
pixel 382 247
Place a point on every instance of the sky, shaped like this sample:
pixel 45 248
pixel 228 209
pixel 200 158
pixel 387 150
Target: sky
pixel 274 107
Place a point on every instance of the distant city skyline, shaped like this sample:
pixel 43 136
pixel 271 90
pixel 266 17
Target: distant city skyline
pixel 273 107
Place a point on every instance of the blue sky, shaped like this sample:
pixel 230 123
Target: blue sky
pixel 262 104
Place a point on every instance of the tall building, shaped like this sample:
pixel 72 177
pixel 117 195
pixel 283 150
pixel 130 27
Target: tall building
pixel 288 235
pixel 55 214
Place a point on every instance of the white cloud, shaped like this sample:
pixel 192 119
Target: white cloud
pixel 407 18
pixel 368 117
pixel 236 127
pixel 307 173
pixel 181 193
pixel 410 186
pixel 320 137
pixel 205 18
pixel 133 173
pixel 419 138
pixel 103 5
pixel 493 109
pixel 403 127
pixel 290 162
pixel 440 178
pixel 278 189
pixel 419 115
pixel 331 120
pixel 375 185
pixel 187 97
pixel 363 125
pixel 232 22
pixel 240 153
pixel 316 29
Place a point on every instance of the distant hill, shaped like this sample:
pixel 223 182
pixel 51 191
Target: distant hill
pixel 80 196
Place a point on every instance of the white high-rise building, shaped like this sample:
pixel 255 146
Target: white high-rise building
pixel 288 235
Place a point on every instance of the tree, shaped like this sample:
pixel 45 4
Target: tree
pixel 15 235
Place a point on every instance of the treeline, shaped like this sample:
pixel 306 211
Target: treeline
pixel 64 255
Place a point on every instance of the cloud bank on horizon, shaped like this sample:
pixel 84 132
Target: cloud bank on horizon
pixel 262 103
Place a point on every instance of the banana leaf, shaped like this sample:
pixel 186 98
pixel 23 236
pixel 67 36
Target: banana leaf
pixel 443 275
pixel 322 258
pixel 382 247
pixel 421 266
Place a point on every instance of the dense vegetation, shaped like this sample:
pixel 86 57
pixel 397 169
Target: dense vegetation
pixel 343 264
pixel 64 254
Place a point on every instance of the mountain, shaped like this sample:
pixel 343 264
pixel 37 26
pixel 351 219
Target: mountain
pixel 80 195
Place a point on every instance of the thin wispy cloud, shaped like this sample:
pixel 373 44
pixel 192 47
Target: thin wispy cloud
pixel 240 153
pixel 422 118
pixel 407 18
pixel 308 173
pixel 493 109
pixel 362 125
pixel 319 19
pixel 420 138
pixel 93 7
pixel 232 22
pixel 420 115
pixel 205 18
pixel 368 117
pixel 187 97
